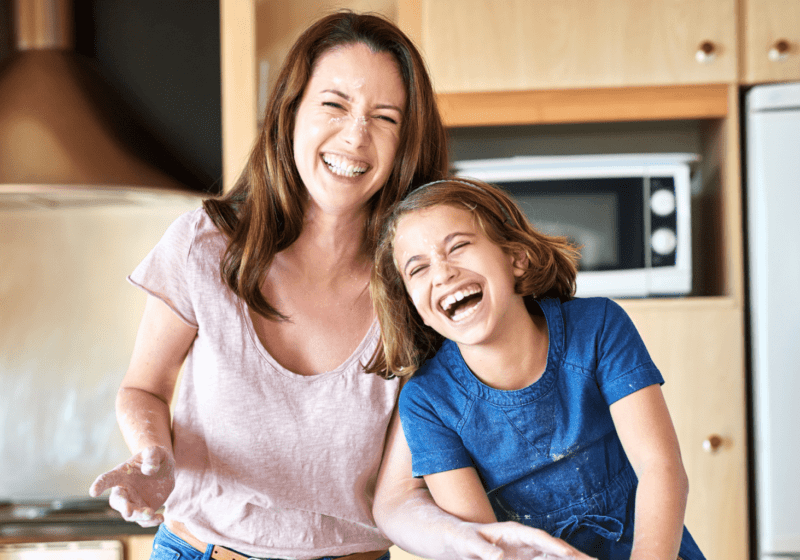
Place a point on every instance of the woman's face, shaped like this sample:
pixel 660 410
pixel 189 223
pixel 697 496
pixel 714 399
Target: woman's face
pixel 347 127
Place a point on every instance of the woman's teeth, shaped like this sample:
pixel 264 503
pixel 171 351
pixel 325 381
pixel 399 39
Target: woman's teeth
pixel 339 166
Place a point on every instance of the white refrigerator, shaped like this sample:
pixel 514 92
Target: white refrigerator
pixel 773 222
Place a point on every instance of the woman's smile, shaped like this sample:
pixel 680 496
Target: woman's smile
pixel 348 126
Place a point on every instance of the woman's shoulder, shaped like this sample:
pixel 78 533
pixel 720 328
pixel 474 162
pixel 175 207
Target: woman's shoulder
pixel 194 226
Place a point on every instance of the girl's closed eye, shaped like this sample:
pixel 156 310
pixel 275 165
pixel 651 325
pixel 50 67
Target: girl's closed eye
pixel 458 246
pixel 417 269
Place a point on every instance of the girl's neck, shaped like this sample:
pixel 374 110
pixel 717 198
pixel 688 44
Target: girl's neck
pixel 515 360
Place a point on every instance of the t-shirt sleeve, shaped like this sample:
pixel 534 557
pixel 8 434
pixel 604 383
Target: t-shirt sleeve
pixel 164 272
pixel 434 446
pixel 624 364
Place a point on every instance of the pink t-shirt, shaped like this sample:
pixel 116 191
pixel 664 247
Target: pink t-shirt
pixel 270 463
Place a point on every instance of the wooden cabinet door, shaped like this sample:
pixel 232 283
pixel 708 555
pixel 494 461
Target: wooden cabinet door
pixel 771 42
pixel 489 45
pixel 699 347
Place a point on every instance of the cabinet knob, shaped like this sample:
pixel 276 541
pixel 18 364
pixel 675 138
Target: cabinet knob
pixel 712 443
pixel 706 52
pixel 779 51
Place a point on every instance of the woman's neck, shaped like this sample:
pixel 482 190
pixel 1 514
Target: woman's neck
pixel 328 247
pixel 515 360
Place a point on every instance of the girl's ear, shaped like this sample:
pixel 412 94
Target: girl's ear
pixel 519 262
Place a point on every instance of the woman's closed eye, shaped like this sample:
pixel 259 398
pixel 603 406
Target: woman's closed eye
pixel 333 104
pixel 387 118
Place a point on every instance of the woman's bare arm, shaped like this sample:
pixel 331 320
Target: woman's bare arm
pixel 142 484
pixel 405 511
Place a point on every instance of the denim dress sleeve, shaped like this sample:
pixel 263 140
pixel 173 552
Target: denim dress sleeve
pixel 623 362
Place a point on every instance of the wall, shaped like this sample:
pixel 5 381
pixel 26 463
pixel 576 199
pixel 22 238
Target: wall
pixel 68 319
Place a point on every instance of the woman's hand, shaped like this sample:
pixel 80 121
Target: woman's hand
pixel 407 514
pixel 140 485
pixel 511 541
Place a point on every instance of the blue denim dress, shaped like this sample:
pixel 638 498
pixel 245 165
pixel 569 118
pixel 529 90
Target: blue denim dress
pixel 548 455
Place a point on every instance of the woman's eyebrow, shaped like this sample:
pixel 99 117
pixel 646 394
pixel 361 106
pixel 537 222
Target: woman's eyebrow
pixel 346 97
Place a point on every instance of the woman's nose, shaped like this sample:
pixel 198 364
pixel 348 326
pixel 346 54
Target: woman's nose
pixel 356 131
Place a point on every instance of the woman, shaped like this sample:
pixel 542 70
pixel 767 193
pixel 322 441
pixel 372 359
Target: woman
pixel 278 433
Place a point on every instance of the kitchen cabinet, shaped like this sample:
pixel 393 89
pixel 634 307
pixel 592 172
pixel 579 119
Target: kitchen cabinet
pixel 480 45
pixel 531 63
pixel 131 546
pixel 138 547
pixel 770 41
pixel 704 389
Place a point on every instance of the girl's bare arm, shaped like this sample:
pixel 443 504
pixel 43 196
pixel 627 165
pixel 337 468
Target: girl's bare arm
pixel 648 436
pixel 460 493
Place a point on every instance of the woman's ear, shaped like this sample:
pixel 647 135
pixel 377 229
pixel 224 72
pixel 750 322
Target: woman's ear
pixel 520 262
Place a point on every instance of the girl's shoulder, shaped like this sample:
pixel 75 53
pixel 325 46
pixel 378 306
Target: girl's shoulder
pixel 436 371
pixel 591 312
pixel 591 325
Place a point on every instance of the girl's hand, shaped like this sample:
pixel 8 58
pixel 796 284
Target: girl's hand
pixel 512 541
pixel 140 485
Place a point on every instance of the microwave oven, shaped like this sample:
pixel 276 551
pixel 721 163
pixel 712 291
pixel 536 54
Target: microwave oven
pixel 629 214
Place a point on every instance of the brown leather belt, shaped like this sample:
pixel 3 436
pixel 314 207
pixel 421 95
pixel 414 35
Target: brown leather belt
pixel 222 553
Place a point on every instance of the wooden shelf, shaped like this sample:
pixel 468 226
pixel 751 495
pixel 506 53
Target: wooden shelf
pixel 584 105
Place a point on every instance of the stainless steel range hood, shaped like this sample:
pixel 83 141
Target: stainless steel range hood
pixel 57 145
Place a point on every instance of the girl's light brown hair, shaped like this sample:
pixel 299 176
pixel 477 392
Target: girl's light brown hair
pixel 264 212
pixel 406 341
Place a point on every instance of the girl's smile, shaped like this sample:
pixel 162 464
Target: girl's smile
pixel 461 283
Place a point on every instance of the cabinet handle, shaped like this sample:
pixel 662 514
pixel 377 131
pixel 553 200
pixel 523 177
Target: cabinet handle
pixel 779 51
pixel 712 443
pixel 706 52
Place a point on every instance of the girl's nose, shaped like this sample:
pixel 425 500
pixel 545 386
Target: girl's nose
pixel 443 272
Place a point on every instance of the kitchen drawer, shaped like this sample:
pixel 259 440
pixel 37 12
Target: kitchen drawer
pixel 84 550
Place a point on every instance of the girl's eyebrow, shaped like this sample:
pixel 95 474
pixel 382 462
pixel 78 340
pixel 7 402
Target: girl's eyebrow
pixel 346 97
pixel 447 239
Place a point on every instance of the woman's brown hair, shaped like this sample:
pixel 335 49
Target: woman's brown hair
pixel 406 341
pixel 263 214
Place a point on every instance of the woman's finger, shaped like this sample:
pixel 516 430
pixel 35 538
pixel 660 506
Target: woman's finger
pixel 120 501
pixel 517 537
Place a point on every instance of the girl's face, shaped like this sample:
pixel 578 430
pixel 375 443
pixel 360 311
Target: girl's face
pixel 347 127
pixel 461 283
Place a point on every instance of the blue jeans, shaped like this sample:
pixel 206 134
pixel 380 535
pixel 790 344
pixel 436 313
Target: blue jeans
pixel 168 546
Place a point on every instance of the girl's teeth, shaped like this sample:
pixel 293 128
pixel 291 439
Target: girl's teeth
pixel 460 315
pixel 458 296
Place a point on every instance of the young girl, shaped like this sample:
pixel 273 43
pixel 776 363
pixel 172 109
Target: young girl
pixel 527 404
